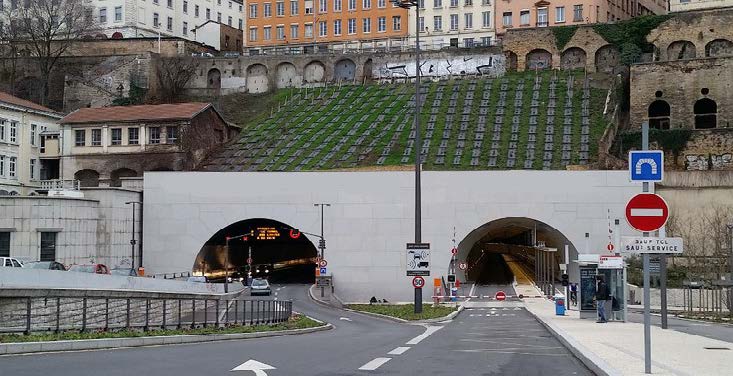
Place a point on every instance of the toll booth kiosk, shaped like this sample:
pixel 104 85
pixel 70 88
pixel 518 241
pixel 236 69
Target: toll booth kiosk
pixel 613 270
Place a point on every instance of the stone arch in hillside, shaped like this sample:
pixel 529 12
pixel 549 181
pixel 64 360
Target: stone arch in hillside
pixel 116 175
pixel 681 49
pixel 511 61
pixel 573 58
pixel 315 72
pixel 257 80
pixel 719 47
pixel 658 114
pixel 213 79
pixel 286 75
pixel 87 178
pixel 706 114
pixel 607 58
pixel 539 59
pixel 368 68
pixel 344 70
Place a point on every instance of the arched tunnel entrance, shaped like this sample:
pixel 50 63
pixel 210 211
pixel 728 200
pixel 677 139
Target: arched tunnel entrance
pixel 517 250
pixel 260 248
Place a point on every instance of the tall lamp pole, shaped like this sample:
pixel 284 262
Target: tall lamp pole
pixel 322 242
pixel 407 4
pixel 133 241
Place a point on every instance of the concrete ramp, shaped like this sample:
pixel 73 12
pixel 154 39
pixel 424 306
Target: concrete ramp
pixel 523 281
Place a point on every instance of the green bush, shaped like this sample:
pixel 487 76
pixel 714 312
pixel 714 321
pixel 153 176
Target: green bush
pixel 563 34
pixel 629 36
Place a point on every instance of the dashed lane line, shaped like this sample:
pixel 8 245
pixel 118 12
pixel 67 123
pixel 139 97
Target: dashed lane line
pixel 374 364
pixel 398 351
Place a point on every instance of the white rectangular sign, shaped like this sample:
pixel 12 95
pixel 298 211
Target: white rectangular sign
pixel 418 259
pixel 635 244
pixel 610 262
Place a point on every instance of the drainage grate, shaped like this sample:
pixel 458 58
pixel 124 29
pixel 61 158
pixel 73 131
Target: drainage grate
pixel 716 348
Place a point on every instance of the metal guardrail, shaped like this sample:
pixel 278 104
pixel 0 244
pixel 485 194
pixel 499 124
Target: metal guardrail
pixel 58 314
pixel 708 297
pixel 57 184
pixel 171 275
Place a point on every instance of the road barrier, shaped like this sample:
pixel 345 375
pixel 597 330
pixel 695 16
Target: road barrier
pixel 489 297
pixel 32 314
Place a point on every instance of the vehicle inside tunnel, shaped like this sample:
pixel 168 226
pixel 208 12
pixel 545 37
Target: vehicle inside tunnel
pixel 257 248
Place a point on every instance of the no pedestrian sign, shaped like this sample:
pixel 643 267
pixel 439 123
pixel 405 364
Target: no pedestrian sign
pixel 651 245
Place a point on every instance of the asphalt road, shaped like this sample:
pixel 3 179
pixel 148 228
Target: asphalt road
pixel 481 341
pixel 720 332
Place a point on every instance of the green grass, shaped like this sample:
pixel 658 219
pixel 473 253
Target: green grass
pixel 295 322
pixel 404 311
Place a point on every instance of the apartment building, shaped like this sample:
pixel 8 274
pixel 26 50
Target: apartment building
pixel 24 126
pixel 513 14
pixel 457 23
pixel 308 23
pixel 685 5
pixel 176 18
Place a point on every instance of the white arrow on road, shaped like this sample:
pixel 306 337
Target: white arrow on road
pixel 254 366
pixel 344 318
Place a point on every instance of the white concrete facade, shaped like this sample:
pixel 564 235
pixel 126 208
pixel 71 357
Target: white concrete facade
pixel 176 18
pixel 463 23
pixel 372 215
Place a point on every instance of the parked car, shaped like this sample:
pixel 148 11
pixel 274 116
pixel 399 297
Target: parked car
pixel 260 286
pixel 231 54
pixel 10 262
pixel 197 278
pixel 202 54
pixel 130 272
pixel 90 268
pixel 48 265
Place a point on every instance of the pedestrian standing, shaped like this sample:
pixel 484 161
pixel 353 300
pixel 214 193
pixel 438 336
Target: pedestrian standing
pixel 574 293
pixel 602 294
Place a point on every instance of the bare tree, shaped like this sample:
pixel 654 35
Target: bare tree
pixel 173 76
pixel 10 45
pixel 48 28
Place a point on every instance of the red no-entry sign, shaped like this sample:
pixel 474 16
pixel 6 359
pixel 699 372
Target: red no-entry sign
pixel 500 295
pixel 647 212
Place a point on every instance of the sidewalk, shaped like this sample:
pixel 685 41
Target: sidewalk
pixel 617 348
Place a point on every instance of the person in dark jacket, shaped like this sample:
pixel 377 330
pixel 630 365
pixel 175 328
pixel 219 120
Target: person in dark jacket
pixel 602 294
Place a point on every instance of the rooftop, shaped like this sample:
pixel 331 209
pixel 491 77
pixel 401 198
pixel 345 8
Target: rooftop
pixel 18 102
pixel 121 114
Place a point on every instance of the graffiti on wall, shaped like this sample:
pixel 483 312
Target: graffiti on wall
pixel 484 65
pixel 702 162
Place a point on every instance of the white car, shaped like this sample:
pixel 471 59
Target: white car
pixel 10 262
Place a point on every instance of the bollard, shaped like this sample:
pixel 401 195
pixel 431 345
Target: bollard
pixel 193 314
pixel 216 321
pixel 127 320
pixel 58 315
pixel 236 308
pixel 179 315
pixel 164 314
pixel 106 314
pixel 84 315
pixel 147 314
pixel 27 316
pixel 206 310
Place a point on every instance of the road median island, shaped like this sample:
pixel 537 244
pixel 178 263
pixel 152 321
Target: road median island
pixel 404 312
pixel 66 341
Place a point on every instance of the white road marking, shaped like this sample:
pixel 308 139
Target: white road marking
pixel 398 351
pixel 254 366
pixel 374 364
pixel 344 318
pixel 470 292
pixel 428 331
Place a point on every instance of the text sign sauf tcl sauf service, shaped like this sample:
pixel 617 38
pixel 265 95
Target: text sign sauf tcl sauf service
pixel 633 244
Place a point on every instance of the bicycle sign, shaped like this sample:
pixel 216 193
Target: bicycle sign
pixel 418 259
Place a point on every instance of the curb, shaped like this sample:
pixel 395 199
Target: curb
pixel 324 303
pixel 450 316
pixel 112 343
pixel 597 365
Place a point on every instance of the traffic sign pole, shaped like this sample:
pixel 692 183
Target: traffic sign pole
pixel 647 316
pixel 418 300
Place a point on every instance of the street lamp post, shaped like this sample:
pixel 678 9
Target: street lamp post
pixel 133 241
pixel 226 258
pixel 322 242
pixel 407 4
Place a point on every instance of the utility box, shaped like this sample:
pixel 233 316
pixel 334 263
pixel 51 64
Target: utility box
pixel 559 304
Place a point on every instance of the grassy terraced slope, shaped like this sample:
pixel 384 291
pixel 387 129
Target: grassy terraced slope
pixel 519 121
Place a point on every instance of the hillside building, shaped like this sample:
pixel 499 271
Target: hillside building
pixel 456 23
pixel 685 5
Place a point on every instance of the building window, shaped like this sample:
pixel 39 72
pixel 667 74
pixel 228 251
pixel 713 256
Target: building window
pixel 382 24
pixel 268 10
pixel 352 26
pixel 308 30
pixel 437 3
pixel 337 27
pixel 280 8
pixel 171 134
pixel 118 14
pixel 453 3
pixel 4 244
pixel 80 137
pixel 280 32
pixel 2 129
pixel 294 8
pixel 11 167
pixel 486 41
pixel 506 18
pixel 96 137
pixel 170 4
pixel 196 11
pixel 454 22
pixel 352 4
pixel 208 14
pixel 218 17
pixel 366 25
pixel 155 20
pixel 485 2
pixel 133 136
pixel 48 246
pixel 421 24
pixel 578 13
pixel 523 18
pixel 252 10
pixel 468 3
pixel 229 21
pixel 32 169
pixel 102 15
pixel 293 31
pixel 542 20
pixel 34 130
pixel 468 42
pixel 154 135
pixel 185 7
pixel 396 23
pixel 437 23
pixel 2 167
pixel 381 3
pixel 170 24
pixel 322 6
pixel 706 113
pixel 267 33
pixel 366 4
pixel 230 5
pixel 116 136
pixel 559 14
pixel 13 137
pixel 336 5
pixel 253 34
pixel 468 19
pixel 185 28
pixel 486 19
pixel 422 4
pixel 241 24
pixel 322 29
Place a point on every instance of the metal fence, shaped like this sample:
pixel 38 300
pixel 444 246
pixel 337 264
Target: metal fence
pixel 57 314
pixel 708 297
